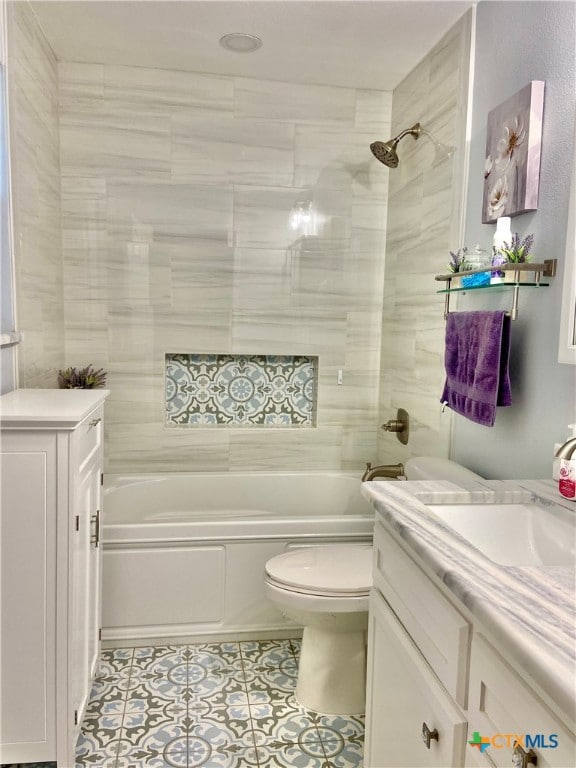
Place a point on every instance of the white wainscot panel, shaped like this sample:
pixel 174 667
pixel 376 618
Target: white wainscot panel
pixel 185 586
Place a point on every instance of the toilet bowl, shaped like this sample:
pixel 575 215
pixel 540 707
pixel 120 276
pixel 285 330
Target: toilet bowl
pixel 325 590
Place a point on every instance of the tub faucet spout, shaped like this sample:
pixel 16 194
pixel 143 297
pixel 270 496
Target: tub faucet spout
pixel 393 471
pixel 567 450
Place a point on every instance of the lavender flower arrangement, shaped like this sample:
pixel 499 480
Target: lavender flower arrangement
pixel 518 251
pixel 85 378
pixel 458 260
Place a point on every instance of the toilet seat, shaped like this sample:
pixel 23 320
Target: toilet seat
pixel 337 571
pixel 325 590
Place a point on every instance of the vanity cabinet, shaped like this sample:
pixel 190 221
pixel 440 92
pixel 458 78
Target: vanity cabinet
pixel 433 677
pixel 417 665
pixel 51 472
pixel 415 722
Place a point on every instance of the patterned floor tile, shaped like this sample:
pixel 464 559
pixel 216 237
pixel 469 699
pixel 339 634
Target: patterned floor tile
pixel 342 739
pixel 281 680
pixel 343 754
pixel 117 657
pixel 288 724
pixel 348 727
pixel 146 711
pixel 211 705
pixel 209 657
pixel 110 702
pixel 157 652
pixel 140 758
pixel 156 739
pixel 102 725
pixel 296 645
pixel 163 674
pixel 233 722
pixel 161 661
pixel 267 653
pixel 91 752
pixel 228 653
pixel 292 756
pixel 95 760
pixel 261 690
pixel 224 757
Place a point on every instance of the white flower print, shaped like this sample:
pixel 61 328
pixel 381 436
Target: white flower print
pixel 498 197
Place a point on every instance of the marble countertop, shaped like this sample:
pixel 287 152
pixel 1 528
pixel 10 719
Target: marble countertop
pixel 529 611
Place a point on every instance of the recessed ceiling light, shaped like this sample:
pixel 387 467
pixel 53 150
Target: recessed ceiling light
pixel 240 42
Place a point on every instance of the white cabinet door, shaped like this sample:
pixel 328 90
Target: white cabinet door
pixel 84 622
pixel 404 699
pixel 95 574
pixel 28 501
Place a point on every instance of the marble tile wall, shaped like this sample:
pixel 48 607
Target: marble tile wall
pixel 426 196
pixel 35 177
pixel 179 194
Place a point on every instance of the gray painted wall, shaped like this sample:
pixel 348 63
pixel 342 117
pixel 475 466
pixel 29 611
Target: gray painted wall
pixel 517 42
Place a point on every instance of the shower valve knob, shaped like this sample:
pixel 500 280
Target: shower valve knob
pixel 393 425
pixel 400 425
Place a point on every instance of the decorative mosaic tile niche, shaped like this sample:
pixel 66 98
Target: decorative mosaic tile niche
pixel 240 390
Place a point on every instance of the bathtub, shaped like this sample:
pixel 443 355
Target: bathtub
pixel 184 554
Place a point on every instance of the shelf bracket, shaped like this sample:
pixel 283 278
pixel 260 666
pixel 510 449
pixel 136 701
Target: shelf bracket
pixel 447 301
pixel 514 311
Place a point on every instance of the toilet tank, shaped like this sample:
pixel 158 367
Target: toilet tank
pixel 436 468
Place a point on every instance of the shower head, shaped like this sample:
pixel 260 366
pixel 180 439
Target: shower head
pixel 385 151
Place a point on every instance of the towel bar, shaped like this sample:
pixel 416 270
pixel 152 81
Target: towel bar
pixel 513 311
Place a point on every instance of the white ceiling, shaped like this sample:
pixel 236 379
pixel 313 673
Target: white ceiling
pixel 354 43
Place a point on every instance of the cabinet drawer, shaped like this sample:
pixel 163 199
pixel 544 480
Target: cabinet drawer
pixel 404 698
pixel 437 628
pixel 502 706
pixel 89 437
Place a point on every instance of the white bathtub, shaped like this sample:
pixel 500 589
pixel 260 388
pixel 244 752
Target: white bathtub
pixel 184 554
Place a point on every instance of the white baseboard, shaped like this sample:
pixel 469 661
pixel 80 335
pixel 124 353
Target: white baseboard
pixel 135 637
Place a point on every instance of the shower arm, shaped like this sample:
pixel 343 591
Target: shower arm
pixel 415 131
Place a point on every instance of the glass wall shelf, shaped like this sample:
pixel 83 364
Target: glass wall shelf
pixel 494 287
pixel 517 272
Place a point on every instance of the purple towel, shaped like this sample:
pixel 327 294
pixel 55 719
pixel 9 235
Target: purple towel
pixel 476 362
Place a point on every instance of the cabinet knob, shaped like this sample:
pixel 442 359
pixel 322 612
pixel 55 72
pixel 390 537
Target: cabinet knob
pixel 428 735
pixel 521 758
pixel 94 423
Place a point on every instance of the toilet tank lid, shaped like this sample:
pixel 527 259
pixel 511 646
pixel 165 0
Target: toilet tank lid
pixel 436 468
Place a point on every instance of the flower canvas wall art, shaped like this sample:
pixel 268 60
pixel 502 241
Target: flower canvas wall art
pixel 512 163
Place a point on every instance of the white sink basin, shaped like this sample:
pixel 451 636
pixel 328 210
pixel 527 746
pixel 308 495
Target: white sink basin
pixel 514 534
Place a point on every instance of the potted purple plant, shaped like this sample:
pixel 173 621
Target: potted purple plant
pixel 457 264
pixel 517 252
pixel 84 378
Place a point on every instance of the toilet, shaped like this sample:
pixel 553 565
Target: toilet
pixel 325 589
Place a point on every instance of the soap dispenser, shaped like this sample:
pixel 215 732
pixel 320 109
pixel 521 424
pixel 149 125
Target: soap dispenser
pixel 567 480
pixel 556 461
